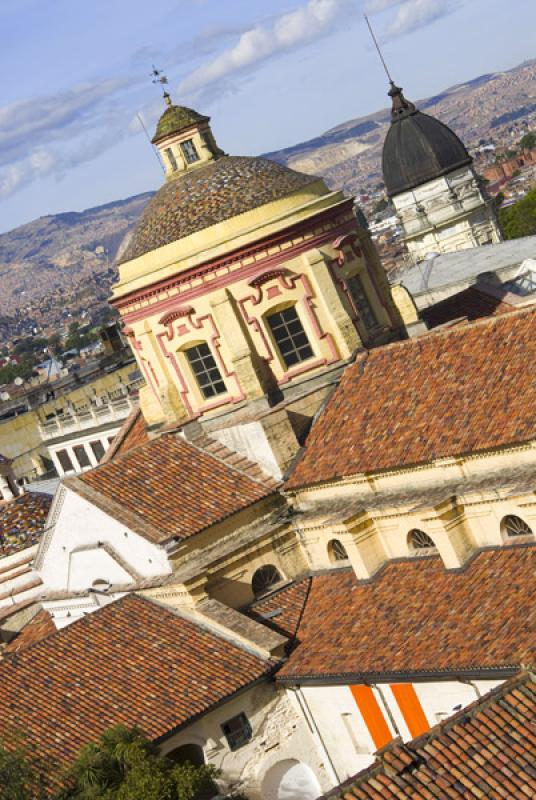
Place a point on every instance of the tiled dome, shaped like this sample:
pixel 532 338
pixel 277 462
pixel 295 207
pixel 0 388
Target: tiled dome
pixel 208 195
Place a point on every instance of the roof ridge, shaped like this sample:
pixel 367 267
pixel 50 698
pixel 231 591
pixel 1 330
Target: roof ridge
pixel 446 331
pixel 413 749
pixel 523 677
pixel 121 435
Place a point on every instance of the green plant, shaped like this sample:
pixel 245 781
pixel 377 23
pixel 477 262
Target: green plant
pixel 125 765
pixel 20 773
pixel 520 219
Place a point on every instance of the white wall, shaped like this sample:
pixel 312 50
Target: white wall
pixel 71 558
pixel 345 733
pixel 342 728
pixel 280 733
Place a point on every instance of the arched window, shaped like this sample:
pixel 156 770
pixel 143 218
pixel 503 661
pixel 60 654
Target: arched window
pixel 264 579
pixel 513 526
pixel 337 551
pixel 419 542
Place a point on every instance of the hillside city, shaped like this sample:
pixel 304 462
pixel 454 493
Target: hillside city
pixel 268 460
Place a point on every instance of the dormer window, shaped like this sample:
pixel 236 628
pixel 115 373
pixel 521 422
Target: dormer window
pixel 189 151
pixel 171 158
pixel 206 371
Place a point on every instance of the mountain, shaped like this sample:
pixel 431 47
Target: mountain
pixel 63 263
pixel 349 155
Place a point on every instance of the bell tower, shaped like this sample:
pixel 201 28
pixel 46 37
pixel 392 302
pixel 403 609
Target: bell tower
pixel 430 178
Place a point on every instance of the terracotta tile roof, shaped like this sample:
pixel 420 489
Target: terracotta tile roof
pixel 202 197
pixel 282 610
pixel 473 303
pixel 22 521
pixel 415 618
pixel 487 750
pixel 39 627
pixel 132 433
pixel 457 391
pixel 169 488
pixel 133 662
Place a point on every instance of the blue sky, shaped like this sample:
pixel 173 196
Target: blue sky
pixel 269 72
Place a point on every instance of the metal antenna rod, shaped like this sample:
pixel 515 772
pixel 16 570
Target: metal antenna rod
pixel 149 140
pixel 377 46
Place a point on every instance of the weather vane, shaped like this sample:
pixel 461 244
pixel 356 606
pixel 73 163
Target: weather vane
pixel 158 76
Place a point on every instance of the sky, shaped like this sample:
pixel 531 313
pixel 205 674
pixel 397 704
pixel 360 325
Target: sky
pixel 270 73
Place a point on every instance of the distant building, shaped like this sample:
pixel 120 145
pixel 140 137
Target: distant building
pixel 429 176
pixel 440 276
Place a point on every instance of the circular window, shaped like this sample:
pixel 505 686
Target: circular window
pixel 264 579
pixel 101 585
pixel 419 540
pixel 337 551
pixel 514 526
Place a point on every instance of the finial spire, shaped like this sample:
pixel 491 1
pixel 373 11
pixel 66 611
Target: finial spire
pixel 158 76
pixel 377 46
pixel 399 102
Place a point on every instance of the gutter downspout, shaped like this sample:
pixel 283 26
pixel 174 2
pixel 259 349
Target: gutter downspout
pixel 311 724
pixel 473 686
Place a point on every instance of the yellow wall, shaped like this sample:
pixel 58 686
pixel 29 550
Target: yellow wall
pixel 20 438
pixel 227 307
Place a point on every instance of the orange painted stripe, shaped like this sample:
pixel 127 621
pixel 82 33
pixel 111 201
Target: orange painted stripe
pixel 372 714
pixel 410 706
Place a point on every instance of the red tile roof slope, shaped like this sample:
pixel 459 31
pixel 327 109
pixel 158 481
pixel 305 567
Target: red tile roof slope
pixel 172 487
pixel 473 303
pixel 132 433
pixel 282 610
pixel 39 627
pixel 22 521
pixel 487 750
pixel 416 617
pixel 457 391
pixel 132 662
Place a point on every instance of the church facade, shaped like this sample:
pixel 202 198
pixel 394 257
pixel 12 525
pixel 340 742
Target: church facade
pixel 246 286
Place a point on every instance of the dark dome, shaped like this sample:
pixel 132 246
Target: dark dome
pixel 418 148
pixel 207 195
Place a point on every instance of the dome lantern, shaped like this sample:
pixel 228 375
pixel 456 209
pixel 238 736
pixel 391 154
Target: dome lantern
pixel 184 139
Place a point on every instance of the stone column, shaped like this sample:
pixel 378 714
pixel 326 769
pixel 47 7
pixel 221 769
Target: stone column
pixel 345 334
pixel 254 375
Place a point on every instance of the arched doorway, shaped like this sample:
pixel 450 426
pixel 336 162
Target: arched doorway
pixel 192 753
pixel 290 780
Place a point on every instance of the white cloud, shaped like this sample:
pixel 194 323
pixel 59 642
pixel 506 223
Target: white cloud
pixel 54 133
pixel 29 124
pixel 289 31
pixel 415 14
pixel 376 6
